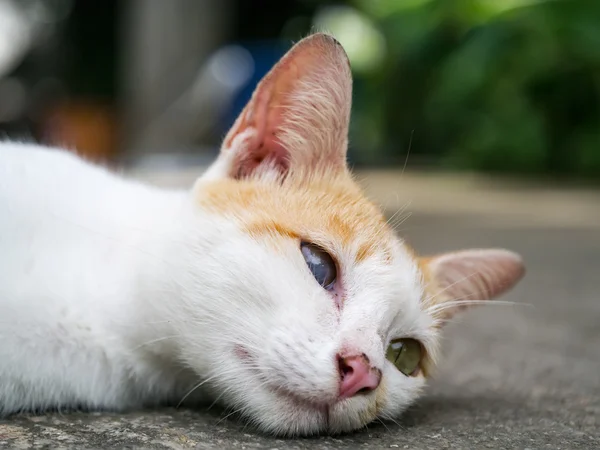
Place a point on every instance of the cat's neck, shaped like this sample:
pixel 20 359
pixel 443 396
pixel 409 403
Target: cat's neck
pixel 173 243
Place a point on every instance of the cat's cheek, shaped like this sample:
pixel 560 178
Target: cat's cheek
pixel 398 394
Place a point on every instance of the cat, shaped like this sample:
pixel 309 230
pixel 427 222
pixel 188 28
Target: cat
pixel 273 285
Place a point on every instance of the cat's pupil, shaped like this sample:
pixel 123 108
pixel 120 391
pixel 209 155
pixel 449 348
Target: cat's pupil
pixel 320 263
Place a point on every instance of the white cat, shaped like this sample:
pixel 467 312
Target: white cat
pixel 273 281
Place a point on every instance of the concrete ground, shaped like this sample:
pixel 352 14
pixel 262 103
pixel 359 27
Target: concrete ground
pixel 513 377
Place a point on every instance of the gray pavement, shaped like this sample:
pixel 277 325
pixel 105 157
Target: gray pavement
pixel 513 377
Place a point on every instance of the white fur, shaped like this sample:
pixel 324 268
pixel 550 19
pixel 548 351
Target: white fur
pixel 116 295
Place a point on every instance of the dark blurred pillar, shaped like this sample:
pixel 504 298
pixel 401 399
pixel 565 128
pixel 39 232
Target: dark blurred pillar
pixel 164 43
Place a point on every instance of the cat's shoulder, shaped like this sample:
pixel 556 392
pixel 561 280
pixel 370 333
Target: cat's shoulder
pixel 15 152
pixel 30 161
pixel 32 174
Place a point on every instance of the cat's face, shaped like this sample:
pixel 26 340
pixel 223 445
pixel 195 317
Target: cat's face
pixel 330 321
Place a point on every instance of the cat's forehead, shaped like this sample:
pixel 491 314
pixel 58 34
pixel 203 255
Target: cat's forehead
pixel 329 210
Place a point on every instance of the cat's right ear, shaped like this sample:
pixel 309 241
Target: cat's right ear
pixel 297 119
pixel 459 280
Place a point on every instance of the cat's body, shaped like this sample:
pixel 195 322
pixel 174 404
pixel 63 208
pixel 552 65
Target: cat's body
pixel 80 271
pixel 273 281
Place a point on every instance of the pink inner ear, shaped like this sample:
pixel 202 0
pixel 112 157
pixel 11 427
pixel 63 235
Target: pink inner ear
pixel 266 120
pixel 298 114
pixel 268 151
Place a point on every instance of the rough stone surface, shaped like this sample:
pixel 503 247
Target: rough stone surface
pixel 513 377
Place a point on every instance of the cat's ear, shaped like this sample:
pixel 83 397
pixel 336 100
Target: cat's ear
pixel 297 118
pixel 462 279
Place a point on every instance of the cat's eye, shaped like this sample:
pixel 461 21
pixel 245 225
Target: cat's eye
pixel 320 263
pixel 406 355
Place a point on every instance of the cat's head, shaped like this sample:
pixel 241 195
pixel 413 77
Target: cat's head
pixel 322 318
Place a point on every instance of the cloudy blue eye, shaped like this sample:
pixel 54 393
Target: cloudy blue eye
pixel 320 263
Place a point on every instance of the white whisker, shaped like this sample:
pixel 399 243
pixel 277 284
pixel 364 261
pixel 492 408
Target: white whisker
pixel 154 341
pixel 442 306
pixel 407 152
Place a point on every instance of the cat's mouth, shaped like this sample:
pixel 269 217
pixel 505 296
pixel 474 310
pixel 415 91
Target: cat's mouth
pixel 300 402
pixel 286 395
pixel 329 414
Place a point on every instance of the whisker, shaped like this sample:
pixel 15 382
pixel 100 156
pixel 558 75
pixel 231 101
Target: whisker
pixel 443 306
pixel 204 381
pixel 401 220
pixel 231 414
pixel 431 299
pixel 394 421
pixel 216 401
pixel 196 386
pixel 383 423
pixel 399 211
pixel 407 152
pixel 155 340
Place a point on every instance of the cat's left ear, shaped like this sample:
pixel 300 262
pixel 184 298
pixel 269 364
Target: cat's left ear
pixel 297 119
pixel 462 279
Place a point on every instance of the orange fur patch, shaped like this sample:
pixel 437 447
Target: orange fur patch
pixel 333 205
pixel 431 289
pixel 380 396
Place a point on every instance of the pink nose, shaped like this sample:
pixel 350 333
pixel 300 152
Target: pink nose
pixel 357 376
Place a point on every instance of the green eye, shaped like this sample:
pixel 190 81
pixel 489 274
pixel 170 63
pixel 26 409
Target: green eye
pixel 406 355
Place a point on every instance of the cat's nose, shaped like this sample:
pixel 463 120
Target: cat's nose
pixel 357 376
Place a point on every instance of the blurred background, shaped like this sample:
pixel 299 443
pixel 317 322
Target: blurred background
pixel 496 100
pixel 507 86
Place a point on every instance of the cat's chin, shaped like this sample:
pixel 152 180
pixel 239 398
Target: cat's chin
pixel 279 411
pixel 293 416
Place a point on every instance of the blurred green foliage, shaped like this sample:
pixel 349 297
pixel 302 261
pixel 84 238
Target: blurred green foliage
pixel 484 84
